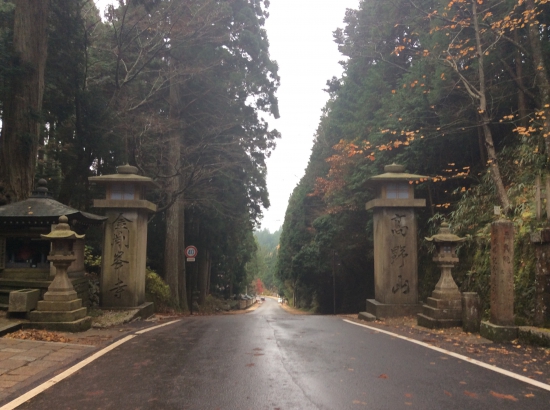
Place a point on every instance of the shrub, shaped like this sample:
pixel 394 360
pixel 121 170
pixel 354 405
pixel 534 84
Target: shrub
pixel 158 292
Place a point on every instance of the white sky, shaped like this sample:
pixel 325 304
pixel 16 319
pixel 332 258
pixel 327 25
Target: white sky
pixel 300 38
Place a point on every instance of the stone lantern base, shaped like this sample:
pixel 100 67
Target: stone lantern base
pixel 380 310
pixel 61 308
pixel 62 313
pixel 441 312
pixel 444 308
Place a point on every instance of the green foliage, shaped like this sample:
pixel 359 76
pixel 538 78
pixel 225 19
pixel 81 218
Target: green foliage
pixel 264 262
pixel 158 292
pixel 400 100
pixel 92 261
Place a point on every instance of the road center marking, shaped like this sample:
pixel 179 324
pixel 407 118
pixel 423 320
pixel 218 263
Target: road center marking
pixel 54 380
pixel 458 356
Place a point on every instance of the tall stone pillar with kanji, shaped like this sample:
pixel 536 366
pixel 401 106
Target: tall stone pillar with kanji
pixel 395 244
pixel 501 327
pixel 125 238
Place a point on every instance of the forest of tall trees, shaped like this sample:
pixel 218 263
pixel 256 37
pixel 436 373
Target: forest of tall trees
pixel 457 90
pixel 176 88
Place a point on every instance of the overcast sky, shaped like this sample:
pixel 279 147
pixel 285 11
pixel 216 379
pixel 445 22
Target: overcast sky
pixel 300 38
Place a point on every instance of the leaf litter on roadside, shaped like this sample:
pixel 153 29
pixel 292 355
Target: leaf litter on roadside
pixel 38 335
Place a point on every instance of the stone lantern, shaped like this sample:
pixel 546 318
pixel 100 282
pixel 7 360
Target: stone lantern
pixel 125 239
pixel 444 307
pixel 395 244
pixel 61 309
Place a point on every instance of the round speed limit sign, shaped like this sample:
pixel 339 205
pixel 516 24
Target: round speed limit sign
pixel 191 252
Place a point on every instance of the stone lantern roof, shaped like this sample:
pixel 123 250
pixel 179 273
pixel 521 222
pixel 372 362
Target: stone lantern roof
pixel 41 209
pixel 62 231
pixel 445 235
pixel 125 189
pixel 395 172
pixel 395 189
pixel 125 173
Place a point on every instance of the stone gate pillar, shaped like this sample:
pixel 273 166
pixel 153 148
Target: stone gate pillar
pixel 125 238
pixel 501 327
pixel 541 240
pixel 395 244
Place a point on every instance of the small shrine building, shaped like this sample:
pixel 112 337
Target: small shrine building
pixel 23 253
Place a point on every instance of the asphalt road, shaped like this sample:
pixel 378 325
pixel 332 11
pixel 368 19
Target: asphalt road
pixel 270 359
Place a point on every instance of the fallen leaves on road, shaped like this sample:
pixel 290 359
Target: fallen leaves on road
pixel 383 376
pixel 503 396
pixel 517 357
pixel 470 394
pixel 95 393
pixel 38 335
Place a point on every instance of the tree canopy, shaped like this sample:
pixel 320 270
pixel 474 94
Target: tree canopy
pixel 456 90
pixel 178 88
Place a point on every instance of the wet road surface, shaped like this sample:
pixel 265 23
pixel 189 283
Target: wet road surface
pixel 270 359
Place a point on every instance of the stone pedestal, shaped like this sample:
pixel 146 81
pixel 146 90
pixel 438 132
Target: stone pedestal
pixel 444 308
pixel 124 258
pixel 395 244
pixel 125 238
pixel 23 300
pixel 471 312
pixel 541 240
pixel 501 325
pixel 395 264
pixel 61 309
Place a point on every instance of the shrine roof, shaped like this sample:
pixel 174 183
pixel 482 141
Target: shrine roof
pixel 41 208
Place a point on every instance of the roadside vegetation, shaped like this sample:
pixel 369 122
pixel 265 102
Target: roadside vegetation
pixel 179 89
pixel 457 91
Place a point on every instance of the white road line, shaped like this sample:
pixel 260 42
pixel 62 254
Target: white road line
pixel 140 332
pixel 458 356
pixel 47 384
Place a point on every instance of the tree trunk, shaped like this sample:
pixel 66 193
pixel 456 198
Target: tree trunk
pixel 522 104
pixel 171 252
pixel 485 120
pixel 21 117
pixel 203 275
pixel 541 76
pixel 173 242
pixel 209 275
pixel 182 268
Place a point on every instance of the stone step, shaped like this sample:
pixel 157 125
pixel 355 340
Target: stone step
pixel 59 306
pixel 432 323
pixel 57 316
pixel 435 313
pixel 444 303
pixel 367 317
pixel 79 325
